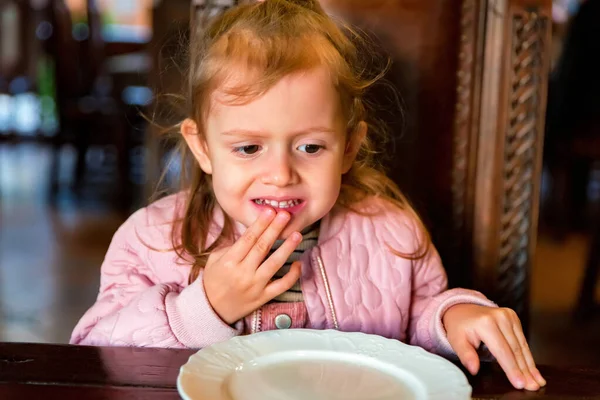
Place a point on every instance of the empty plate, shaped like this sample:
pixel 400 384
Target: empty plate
pixel 301 364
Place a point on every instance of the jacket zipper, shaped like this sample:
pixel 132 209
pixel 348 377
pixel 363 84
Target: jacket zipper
pixel 328 292
pixel 256 315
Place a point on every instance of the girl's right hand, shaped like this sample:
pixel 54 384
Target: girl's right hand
pixel 237 279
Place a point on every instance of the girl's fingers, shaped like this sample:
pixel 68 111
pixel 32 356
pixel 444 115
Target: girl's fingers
pixel 272 264
pixel 466 354
pixel 283 284
pixel 242 246
pixel 265 242
pixel 518 331
pixel 499 347
pixel 506 327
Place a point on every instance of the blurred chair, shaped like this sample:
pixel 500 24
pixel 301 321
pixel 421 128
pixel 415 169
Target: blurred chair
pixel 472 75
pixel 18 69
pixel 572 144
pixel 88 111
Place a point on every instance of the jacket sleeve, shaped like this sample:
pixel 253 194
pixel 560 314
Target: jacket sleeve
pixel 431 299
pixel 134 309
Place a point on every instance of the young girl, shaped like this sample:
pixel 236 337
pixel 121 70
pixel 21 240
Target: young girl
pixel 285 220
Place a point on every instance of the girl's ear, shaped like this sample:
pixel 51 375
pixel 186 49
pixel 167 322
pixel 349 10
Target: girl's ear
pixel 353 145
pixel 197 144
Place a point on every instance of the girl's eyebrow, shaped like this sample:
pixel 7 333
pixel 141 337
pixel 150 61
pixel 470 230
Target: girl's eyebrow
pixel 251 133
pixel 244 132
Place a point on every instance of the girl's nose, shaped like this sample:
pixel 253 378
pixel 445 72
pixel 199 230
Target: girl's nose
pixel 279 171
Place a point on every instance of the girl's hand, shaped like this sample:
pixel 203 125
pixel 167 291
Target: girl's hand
pixel 237 279
pixel 468 325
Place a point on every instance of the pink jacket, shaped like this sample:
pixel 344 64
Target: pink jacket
pixel 350 280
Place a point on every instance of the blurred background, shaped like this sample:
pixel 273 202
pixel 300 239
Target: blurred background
pixel 77 157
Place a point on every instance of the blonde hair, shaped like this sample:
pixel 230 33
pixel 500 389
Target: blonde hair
pixel 271 40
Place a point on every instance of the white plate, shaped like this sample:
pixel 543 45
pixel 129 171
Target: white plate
pixel 300 364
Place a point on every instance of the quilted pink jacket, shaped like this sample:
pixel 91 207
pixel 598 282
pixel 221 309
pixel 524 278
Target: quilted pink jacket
pixel 350 280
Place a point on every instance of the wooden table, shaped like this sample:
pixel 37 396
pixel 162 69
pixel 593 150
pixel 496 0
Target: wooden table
pixel 44 371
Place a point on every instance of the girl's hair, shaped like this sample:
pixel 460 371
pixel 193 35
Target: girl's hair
pixel 270 40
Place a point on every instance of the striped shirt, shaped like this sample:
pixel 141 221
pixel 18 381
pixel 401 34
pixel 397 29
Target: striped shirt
pixel 310 238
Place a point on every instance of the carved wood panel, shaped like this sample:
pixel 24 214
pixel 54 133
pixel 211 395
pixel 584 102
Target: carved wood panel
pixel 509 152
pixel 522 162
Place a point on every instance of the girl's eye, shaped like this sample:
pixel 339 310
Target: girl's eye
pixel 247 150
pixel 310 148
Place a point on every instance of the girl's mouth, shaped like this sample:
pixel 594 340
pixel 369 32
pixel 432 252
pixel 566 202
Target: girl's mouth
pixel 278 204
pixel 290 205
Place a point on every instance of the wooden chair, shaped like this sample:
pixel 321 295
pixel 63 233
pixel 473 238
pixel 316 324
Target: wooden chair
pixel 12 63
pixel 473 76
pixel 88 115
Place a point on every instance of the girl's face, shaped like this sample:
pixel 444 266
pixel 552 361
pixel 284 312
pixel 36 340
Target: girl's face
pixel 286 149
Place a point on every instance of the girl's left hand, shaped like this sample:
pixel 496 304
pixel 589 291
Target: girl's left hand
pixel 468 325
